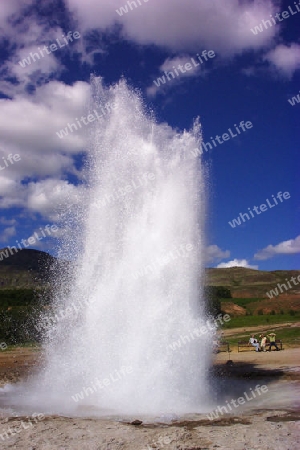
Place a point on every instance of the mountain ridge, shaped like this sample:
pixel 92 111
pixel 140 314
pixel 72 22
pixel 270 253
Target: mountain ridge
pixel 31 268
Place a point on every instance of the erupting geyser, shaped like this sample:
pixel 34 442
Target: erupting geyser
pixel 135 287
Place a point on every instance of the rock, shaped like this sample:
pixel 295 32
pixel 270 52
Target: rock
pixel 136 422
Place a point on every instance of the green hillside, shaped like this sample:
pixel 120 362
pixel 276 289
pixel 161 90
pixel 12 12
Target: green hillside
pixel 249 283
pixel 25 269
pixel 25 292
pixel 32 268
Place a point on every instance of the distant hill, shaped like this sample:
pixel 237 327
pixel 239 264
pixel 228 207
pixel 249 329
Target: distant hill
pixel 25 269
pixel 249 283
pixel 32 268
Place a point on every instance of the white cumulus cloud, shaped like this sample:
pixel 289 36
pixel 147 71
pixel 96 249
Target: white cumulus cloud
pixel 285 58
pixel 28 126
pixel 170 66
pixel 289 247
pixel 214 253
pixel 236 263
pixel 182 25
pixel 7 233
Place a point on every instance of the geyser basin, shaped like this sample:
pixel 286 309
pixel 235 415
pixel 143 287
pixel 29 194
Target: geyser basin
pixel 135 290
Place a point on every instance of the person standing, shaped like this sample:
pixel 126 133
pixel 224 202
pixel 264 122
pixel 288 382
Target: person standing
pixel 272 339
pixel 263 342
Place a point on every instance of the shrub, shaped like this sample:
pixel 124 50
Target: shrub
pixel 260 312
pixel 17 325
pixel 213 302
pixel 19 311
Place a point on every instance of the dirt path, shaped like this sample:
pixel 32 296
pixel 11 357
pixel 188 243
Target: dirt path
pixel 18 363
pixel 286 361
pixel 259 328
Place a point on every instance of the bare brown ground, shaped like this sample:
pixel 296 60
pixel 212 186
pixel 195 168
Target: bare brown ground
pixel 18 363
pixel 260 429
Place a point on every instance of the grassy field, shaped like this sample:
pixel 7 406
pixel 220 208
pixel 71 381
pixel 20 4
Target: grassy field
pixel 20 309
pixel 252 321
pixel 33 345
pixel 288 335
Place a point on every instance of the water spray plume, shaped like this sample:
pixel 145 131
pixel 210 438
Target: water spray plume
pixel 136 285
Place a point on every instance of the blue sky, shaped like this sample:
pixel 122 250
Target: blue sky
pixel 251 77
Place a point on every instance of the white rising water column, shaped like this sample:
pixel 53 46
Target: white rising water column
pixel 131 346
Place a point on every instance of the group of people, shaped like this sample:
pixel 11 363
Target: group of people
pixel 261 346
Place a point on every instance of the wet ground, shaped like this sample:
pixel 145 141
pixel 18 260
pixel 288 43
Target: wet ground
pixel 266 420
